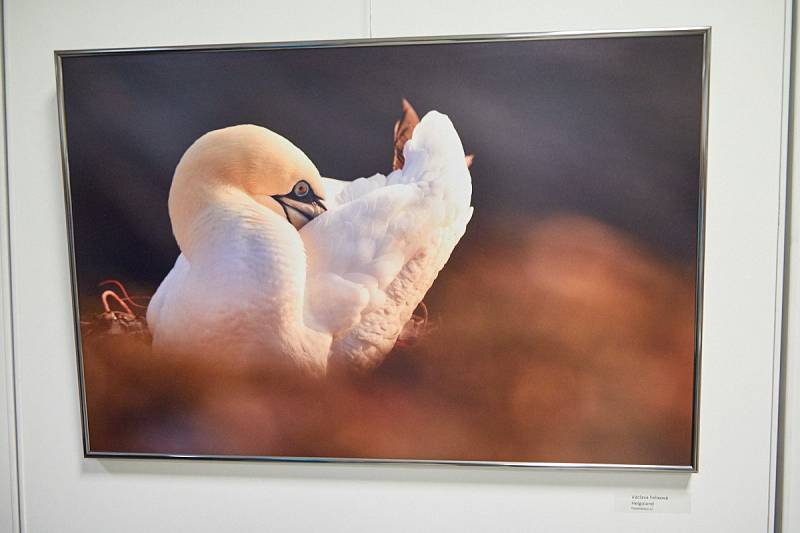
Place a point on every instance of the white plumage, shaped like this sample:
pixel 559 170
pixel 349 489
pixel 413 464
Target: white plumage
pixel 249 284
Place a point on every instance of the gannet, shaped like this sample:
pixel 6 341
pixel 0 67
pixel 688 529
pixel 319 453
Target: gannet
pixel 279 262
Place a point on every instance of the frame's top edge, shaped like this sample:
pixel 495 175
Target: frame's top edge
pixel 389 41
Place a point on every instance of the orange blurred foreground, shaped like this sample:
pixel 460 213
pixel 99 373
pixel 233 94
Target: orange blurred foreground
pixel 568 343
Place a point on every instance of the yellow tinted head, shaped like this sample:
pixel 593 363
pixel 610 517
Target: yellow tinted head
pixel 249 159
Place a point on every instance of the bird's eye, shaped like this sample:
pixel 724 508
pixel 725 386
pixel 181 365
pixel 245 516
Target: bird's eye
pixel 301 188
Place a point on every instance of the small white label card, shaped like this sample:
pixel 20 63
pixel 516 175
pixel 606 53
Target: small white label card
pixel 656 501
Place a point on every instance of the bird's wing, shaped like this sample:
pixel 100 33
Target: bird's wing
pixel 339 192
pixel 374 255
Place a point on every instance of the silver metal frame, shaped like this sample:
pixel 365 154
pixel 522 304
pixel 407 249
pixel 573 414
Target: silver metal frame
pixel 705 32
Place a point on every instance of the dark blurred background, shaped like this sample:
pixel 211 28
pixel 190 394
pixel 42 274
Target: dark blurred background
pixel 563 326
pixel 605 127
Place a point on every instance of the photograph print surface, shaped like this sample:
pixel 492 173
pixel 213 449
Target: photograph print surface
pixel 481 250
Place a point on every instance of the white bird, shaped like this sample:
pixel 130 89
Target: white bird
pixel 279 262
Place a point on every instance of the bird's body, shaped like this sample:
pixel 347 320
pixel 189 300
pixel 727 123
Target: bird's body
pixel 265 272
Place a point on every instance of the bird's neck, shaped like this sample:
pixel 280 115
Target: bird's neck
pixel 260 258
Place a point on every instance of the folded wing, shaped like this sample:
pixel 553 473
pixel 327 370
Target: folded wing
pixel 378 250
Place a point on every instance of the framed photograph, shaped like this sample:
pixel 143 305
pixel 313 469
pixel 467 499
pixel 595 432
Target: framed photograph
pixel 470 250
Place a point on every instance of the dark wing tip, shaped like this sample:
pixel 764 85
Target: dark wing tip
pixel 403 129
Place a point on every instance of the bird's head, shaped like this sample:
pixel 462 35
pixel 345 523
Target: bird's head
pixel 249 160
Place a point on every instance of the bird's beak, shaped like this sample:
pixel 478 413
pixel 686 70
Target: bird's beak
pixel 300 213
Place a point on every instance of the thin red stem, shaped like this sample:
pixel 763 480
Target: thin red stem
pixel 111 294
pixel 124 292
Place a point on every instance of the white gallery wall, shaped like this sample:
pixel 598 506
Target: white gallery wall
pixel 60 491
pixel 789 518
pixel 8 474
